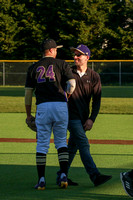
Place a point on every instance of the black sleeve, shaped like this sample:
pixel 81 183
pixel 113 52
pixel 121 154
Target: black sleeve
pixel 96 97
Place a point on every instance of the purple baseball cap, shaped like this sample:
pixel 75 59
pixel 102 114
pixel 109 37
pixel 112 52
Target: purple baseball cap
pixel 82 49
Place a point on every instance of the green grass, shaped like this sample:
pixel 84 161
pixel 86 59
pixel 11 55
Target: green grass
pixel 117 91
pixel 18 172
pixel 20 179
pixel 106 126
pixel 116 100
pixel 108 105
pixel 107 91
pixel 116 105
pixel 13 91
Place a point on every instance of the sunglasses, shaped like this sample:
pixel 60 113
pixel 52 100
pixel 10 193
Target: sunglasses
pixel 78 54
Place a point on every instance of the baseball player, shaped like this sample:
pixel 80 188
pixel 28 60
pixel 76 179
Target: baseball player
pixel 47 78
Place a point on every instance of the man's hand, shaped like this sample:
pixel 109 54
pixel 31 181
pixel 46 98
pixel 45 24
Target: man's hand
pixel 88 125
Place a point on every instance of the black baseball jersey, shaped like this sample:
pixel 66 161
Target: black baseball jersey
pixel 88 86
pixel 48 78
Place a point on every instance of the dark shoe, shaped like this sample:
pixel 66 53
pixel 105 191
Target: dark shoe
pixel 127 183
pixel 70 182
pixel 101 179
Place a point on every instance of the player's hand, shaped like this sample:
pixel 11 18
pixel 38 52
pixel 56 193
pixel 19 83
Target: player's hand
pixel 88 125
pixel 30 121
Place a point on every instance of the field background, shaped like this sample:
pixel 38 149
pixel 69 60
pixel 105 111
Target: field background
pixel 17 159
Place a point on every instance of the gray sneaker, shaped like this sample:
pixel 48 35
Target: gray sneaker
pixel 127 183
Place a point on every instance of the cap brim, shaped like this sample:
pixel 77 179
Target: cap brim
pixel 75 49
pixel 60 46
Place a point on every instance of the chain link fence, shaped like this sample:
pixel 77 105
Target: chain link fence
pixel 112 72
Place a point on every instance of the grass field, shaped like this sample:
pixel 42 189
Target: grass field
pixel 18 173
pixel 116 100
pixel 107 91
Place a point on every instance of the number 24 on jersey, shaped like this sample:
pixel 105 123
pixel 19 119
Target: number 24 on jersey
pixel 43 74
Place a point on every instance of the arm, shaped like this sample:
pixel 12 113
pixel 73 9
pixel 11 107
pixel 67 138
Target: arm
pixel 68 79
pixel 30 120
pixel 28 102
pixel 96 98
pixel 71 84
pixel 96 101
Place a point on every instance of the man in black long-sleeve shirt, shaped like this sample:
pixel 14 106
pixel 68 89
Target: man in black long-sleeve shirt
pixel 81 119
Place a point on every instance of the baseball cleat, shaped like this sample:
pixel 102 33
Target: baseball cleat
pixel 62 180
pixel 70 182
pixel 127 183
pixel 40 186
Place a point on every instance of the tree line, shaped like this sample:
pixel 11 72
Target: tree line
pixel 105 26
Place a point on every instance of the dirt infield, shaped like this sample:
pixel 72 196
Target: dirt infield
pixel 94 141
